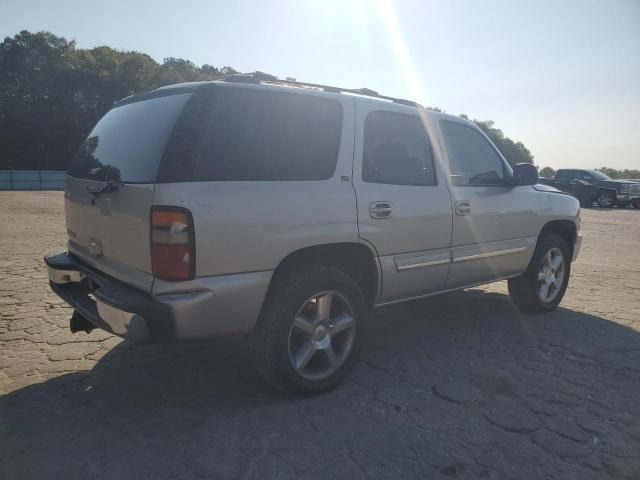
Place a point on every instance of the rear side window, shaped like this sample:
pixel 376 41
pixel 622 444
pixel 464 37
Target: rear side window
pixel 397 150
pixel 472 159
pixel 127 144
pixel 565 175
pixel 259 135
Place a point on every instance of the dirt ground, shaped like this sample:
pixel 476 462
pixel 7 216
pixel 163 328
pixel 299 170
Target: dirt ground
pixel 459 386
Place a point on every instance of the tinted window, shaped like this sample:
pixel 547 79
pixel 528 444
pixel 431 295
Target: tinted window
pixel 472 159
pixel 396 150
pixel 128 142
pixel 564 175
pixel 258 135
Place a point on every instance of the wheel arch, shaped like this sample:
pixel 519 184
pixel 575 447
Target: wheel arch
pixel 357 260
pixel 607 189
pixel 566 229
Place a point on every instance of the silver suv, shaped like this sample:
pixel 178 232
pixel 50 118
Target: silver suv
pixel 288 211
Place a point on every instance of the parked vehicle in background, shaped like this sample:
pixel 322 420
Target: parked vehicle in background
pixel 590 186
pixel 287 211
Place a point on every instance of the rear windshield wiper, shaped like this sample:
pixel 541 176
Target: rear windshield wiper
pixel 109 187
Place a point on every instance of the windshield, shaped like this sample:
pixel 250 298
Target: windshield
pixel 127 144
pixel 599 175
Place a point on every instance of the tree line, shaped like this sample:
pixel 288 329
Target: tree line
pixel 52 94
pixel 548 172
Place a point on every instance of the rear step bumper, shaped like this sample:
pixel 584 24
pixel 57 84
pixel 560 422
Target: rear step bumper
pixel 109 304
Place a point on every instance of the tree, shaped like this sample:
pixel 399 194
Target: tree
pixel 626 173
pixel 514 152
pixel 52 94
pixel 547 172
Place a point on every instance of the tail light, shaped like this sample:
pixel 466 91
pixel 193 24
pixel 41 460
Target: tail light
pixel 173 252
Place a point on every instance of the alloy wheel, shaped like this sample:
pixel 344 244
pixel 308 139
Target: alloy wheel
pixel 605 200
pixel 551 275
pixel 321 335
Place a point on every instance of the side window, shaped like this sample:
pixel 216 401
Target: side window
pixel 563 175
pixel 257 135
pixel 473 161
pixel 397 150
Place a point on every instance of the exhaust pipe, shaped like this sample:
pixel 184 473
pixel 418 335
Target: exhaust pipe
pixel 80 324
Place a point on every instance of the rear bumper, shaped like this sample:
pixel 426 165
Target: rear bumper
pixel 205 307
pixel 107 303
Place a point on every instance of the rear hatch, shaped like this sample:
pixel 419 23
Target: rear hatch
pixel 110 186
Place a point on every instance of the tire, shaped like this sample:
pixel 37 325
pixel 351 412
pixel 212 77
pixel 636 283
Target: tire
pixel 280 345
pixel 606 199
pixel 636 204
pixel 527 290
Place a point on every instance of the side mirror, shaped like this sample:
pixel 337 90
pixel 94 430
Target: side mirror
pixel 525 174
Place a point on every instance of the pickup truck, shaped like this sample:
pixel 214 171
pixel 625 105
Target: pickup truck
pixel 590 186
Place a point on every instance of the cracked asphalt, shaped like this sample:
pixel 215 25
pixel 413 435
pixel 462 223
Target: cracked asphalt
pixel 459 386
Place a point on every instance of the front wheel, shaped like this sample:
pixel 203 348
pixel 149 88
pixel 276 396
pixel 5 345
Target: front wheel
pixel 310 333
pixel 541 287
pixel 606 199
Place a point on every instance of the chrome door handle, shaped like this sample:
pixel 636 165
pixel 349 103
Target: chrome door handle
pixel 380 210
pixel 462 207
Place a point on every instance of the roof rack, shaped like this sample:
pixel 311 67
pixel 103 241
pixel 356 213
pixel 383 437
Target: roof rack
pixel 269 80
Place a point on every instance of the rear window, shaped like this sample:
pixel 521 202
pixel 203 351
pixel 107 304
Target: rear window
pixel 127 144
pixel 261 136
pixel 397 150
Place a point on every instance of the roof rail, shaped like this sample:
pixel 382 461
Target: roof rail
pixel 268 80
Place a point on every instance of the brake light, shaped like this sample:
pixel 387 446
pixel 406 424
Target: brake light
pixel 173 252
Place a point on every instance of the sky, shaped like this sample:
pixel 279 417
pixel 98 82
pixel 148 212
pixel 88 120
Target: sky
pixel 563 77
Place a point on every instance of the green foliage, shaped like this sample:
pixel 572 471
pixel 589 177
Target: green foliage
pixel 52 94
pixel 626 173
pixel 514 152
pixel 547 172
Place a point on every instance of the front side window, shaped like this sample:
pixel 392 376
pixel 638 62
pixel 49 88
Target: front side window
pixel 397 150
pixel 257 135
pixel 472 159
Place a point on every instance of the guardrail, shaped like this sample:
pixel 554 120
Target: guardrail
pixel 32 179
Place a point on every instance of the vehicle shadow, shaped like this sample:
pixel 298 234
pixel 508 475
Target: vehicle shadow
pixel 458 386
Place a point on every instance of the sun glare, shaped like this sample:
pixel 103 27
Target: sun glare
pixel 386 9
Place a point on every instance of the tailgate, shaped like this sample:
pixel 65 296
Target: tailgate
pixel 111 231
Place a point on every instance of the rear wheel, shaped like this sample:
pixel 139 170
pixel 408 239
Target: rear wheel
pixel 606 198
pixel 636 204
pixel 310 333
pixel 541 287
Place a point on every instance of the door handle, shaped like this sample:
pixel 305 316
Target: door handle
pixel 462 207
pixel 380 210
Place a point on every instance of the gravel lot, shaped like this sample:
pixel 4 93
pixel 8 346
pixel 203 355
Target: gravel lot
pixel 459 386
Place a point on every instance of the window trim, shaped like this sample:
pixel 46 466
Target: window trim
pixel 505 165
pixel 402 114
